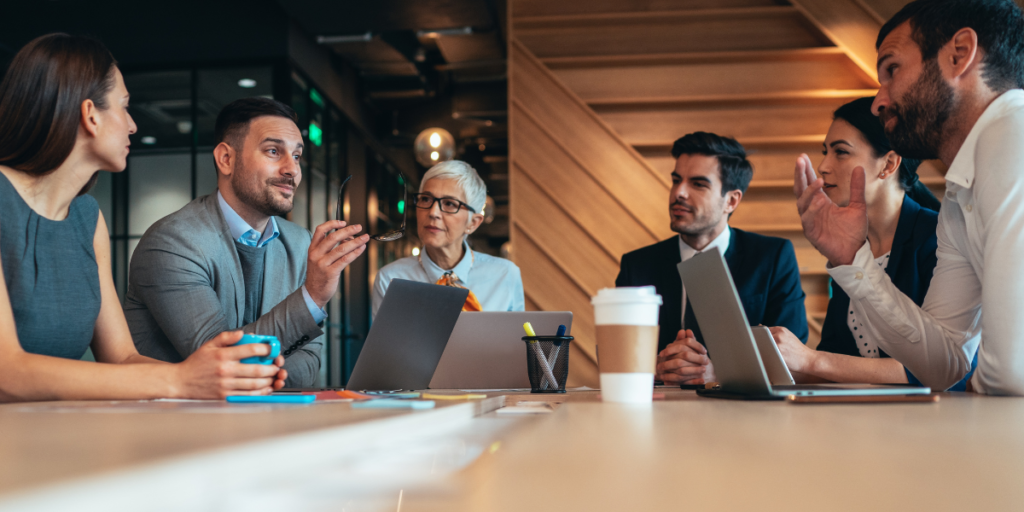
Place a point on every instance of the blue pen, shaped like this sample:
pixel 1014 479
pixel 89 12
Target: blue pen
pixel 271 399
pixel 552 358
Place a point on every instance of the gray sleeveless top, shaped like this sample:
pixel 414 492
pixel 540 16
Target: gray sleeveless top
pixel 51 274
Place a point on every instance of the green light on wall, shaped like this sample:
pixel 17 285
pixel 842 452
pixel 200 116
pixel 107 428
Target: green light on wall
pixel 315 96
pixel 316 135
pixel 401 207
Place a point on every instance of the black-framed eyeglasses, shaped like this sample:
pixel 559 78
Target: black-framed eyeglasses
pixel 448 205
pixel 387 236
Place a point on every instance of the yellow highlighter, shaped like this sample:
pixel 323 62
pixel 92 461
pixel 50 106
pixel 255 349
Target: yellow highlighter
pixel 529 331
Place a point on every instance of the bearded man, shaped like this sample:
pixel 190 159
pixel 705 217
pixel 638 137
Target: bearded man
pixel 710 177
pixel 228 260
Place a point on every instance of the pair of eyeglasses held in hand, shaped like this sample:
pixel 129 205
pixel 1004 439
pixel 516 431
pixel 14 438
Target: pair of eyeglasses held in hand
pixel 387 236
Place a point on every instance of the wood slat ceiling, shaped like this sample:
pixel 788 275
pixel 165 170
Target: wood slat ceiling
pixel 760 28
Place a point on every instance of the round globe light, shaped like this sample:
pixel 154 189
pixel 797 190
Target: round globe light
pixel 434 145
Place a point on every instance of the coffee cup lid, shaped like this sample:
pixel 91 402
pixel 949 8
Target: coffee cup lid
pixel 627 295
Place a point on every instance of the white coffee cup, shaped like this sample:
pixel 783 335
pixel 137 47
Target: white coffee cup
pixel 626 321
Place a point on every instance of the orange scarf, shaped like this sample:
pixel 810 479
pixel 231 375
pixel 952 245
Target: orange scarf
pixel 450 279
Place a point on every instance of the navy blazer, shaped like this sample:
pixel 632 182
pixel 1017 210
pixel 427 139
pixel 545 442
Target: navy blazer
pixel 911 263
pixel 910 267
pixel 763 267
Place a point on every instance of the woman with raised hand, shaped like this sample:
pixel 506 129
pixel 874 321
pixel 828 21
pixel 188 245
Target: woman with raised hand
pixel 63 119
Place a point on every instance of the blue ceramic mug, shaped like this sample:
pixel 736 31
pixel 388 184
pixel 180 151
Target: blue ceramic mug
pixel 275 348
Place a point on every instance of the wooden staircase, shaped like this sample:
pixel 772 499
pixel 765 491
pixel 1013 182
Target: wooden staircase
pixel 599 90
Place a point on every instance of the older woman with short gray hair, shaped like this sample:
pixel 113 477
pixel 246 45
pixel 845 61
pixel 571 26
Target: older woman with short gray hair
pixel 450 207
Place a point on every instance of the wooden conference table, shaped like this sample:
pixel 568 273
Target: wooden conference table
pixel 965 452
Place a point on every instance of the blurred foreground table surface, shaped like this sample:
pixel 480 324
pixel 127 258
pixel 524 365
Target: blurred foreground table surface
pixel 683 452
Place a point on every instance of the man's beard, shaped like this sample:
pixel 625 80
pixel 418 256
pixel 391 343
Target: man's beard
pixel 260 196
pixel 701 222
pixel 922 116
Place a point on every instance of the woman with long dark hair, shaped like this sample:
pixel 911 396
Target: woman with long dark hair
pixel 63 119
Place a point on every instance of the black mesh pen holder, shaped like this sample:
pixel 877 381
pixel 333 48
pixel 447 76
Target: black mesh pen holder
pixel 554 352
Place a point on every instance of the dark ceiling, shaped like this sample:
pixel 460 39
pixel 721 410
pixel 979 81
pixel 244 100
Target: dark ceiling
pixel 423 64
pixel 333 17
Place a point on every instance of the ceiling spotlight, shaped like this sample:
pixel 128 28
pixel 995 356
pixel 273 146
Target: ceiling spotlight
pixel 148 140
pixel 247 83
pixel 415 251
pixel 434 145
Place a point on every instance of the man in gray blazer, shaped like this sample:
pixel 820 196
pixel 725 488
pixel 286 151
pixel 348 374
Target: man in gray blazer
pixel 229 261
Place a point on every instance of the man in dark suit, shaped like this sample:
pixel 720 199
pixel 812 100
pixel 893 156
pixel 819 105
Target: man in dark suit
pixel 708 183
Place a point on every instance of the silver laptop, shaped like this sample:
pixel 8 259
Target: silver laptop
pixel 408 336
pixel 739 365
pixel 774 364
pixel 486 350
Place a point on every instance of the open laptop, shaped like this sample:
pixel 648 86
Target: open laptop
pixel 774 364
pixel 408 336
pixel 739 366
pixel 486 350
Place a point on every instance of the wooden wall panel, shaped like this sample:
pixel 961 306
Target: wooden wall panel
pixel 564 240
pixel 767 214
pixel 564 182
pixel 591 142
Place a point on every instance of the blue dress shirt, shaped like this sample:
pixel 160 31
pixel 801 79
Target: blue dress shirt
pixel 244 234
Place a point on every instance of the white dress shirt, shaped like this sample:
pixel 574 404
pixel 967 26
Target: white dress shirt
pixel 980 245
pixel 867 347
pixel 721 242
pixel 496 282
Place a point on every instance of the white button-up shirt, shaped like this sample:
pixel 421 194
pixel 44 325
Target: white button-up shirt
pixel 980 245
pixel 496 282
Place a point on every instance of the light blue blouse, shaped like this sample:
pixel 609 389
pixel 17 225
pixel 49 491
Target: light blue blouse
pixel 496 282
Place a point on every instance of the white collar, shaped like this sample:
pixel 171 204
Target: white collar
pixel 721 242
pixel 961 171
